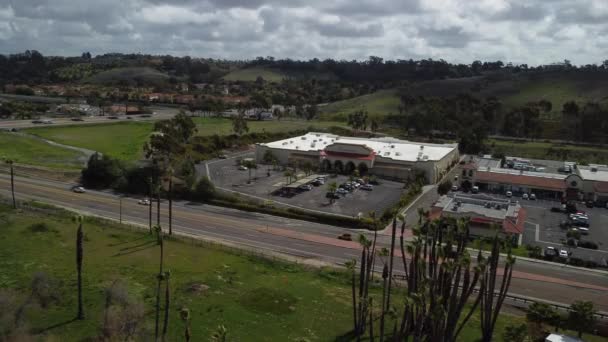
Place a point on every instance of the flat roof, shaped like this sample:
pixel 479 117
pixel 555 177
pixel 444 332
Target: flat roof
pixel 599 175
pixel 386 147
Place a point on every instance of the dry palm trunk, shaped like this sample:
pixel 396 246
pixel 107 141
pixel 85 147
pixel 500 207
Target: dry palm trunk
pixel 79 257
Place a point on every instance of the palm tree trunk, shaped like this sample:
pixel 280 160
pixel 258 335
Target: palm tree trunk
pixel 390 263
pixel 158 285
pixel 383 306
pixel 167 304
pixel 354 290
pixel 157 207
pixel 170 205
pixel 13 185
pixel 79 257
pixel 150 207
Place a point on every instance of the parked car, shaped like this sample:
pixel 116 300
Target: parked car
pixel 550 251
pixel 79 190
pixel 367 187
pixel 589 204
pixel 342 191
pixel 582 230
pixel 454 187
pixel 475 189
pixel 243 168
pixel 305 187
pixel 509 194
pixel 360 181
pixel 563 253
pixel 525 196
pixel 144 201
pixel 533 197
pixel 222 156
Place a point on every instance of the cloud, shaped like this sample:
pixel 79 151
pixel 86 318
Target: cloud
pixel 520 31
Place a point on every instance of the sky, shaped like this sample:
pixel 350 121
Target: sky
pixel 460 31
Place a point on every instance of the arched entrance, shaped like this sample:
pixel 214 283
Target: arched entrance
pixel 338 166
pixel 326 165
pixel 349 168
pixel 363 169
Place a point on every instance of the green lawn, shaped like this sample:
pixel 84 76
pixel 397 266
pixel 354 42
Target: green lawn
pixel 255 299
pixel 377 104
pixel 121 140
pixel 28 150
pixel 545 150
pixel 124 140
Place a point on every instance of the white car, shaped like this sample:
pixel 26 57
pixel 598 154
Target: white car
pixel 454 187
pixel 79 190
pixel 509 194
pixel 525 196
pixel 533 197
pixel 582 230
pixel 563 253
pixel 144 201
pixel 367 187
pixel 243 168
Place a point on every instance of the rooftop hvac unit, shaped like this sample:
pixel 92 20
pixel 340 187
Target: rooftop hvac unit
pixel 303 138
pixel 594 169
pixel 397 153
pixel 425 157
pixel 285 143
pixel 392 146
pixel 422 147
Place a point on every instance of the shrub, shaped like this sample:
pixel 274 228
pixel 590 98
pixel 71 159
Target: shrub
pixel 41 227
pixel 588 244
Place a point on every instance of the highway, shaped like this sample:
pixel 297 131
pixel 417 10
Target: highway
pixel 310 242
pixel 160 113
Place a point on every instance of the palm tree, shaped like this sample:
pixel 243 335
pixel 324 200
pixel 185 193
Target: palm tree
pixel 383 254
pixel 10 164
pixel 184 314
pixel 540 313
pixel 249 164
pixel 150 195
pixel 79 257
pixel 350 266
pixel 159 278
pixel 288 174
pixel 167 304
pixel 170 196
pixel 581 316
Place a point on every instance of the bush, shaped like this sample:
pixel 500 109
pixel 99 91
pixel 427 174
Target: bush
pixel 205 190
pixel 40 227
pixel 102 171
pixel 444 187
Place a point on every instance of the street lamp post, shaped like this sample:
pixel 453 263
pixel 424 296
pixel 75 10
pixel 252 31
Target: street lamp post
pixel 120 209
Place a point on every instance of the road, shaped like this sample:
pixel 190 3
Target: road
pixel 308 241
pixel 161 113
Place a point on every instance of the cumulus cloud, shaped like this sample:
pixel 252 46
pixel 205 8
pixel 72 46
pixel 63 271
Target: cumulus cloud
pixel 520 31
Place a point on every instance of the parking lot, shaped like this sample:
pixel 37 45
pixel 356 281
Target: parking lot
pixel 543 228
pixel 266 182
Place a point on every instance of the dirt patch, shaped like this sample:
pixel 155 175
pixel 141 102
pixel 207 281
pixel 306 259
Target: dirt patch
pixel 197 288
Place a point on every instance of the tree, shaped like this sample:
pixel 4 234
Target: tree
pixel 170 198
pixel 374 125
pixel 79 257
pixel 307 167
pixel 581 317
pixel 350 266
pixel 444 187
pixel 311 112
pixel 539 314
pixel 358 120
pixel 515 333
pixel 239 124
pixel 10 164
pixel 159 279
pixel 288 174
pixel 167 277
pixel 332 187
pixel 249 164
pixel 102 171
pixel 205 190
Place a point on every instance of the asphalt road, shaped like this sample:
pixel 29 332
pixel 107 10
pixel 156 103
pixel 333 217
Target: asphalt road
pixel 161 113
pixel 308 241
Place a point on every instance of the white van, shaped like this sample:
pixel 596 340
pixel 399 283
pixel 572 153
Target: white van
pixel 475 189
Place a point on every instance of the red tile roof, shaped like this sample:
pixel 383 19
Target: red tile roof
pixel 525 180
pixel 515 227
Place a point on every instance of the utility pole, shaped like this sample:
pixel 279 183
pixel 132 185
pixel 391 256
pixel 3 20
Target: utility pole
pixel 150 205
pixel 120 209
pixel 10 163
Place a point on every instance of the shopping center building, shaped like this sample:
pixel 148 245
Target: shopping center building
pixel 384 157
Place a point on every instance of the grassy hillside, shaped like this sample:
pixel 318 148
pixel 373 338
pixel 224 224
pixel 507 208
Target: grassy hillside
pixel 124 140
pixel 273 75
pixel 512 90
pixel 255 299
pixel 131 75
pixel 377 104
pixel 546 150
pixel 28 150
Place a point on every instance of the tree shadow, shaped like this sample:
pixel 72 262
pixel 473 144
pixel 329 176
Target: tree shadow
pixel 56 325
pixel 135 250
pixel 125 242
pixel 124 249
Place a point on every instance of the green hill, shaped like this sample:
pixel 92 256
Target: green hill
pixel 130 75
pixel 377 104
pixel 512 89
pixel 274 74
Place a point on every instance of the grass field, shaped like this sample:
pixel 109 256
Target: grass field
pixel 377 104
pixel 545 150
pixel 28 150
pixel 124 140
pixel 255 299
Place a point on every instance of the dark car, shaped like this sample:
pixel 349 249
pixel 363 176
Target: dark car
pixel 590 204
